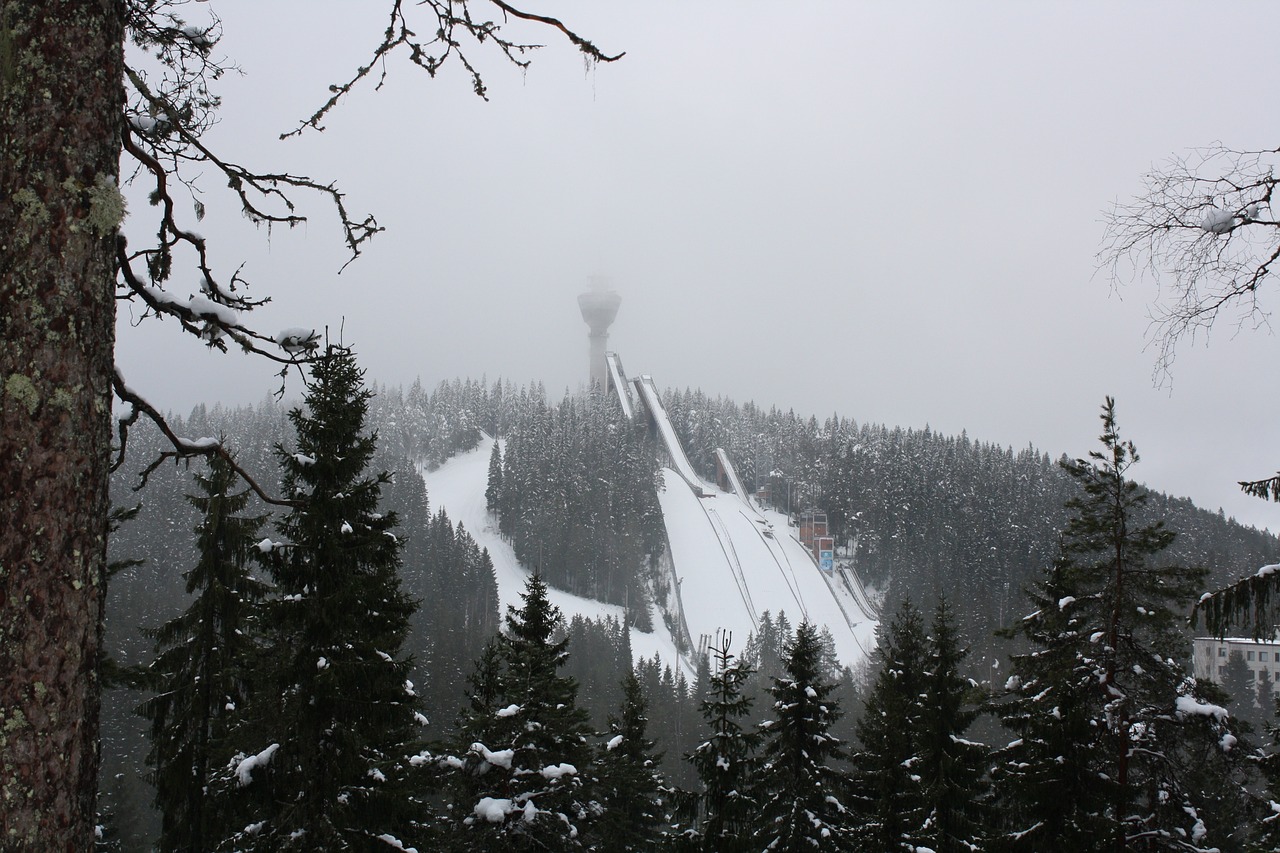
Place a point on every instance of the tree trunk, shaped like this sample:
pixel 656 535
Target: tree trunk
pixel 61 108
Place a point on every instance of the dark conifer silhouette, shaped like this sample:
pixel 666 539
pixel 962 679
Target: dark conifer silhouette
pixel 336 713
pixel 205 657
pixel 951 767
pixel 524 781
pixel 629 786
pixel 1116 748
pixel 726 761
pixel 800 788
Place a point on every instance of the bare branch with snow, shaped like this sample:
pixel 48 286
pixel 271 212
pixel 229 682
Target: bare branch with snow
pixel 1205 232
pixel 183 448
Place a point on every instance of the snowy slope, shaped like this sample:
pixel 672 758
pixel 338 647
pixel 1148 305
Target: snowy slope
pixel 732 561
pixel 730 571
pixel 458 487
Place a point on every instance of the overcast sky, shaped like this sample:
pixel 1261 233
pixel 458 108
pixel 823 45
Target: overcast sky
pixel 887 210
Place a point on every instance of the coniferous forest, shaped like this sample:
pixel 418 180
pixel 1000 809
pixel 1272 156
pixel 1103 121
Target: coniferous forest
pixel 333 672
pixel 321 623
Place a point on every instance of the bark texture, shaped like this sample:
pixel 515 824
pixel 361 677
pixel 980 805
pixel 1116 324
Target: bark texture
pixel 61 105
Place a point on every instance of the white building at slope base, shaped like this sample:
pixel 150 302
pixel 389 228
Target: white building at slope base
pixel 1210 656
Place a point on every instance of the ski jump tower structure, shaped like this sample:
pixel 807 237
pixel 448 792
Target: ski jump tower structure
pixel 725 551
pixel 599 307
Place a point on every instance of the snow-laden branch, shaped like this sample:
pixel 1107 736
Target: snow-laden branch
pixel 183 448
pixel 1205 232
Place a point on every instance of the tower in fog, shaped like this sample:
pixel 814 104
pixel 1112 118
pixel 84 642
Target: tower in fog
pixel 599 306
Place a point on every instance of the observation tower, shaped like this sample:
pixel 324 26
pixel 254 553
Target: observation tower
pixel 599 307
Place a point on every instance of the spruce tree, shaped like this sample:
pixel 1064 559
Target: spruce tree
pixel 525 753
pixel 204 657
pixel 887 783
pixel 1113 740
pixel 1051 793
pixel 336 713
pixel 629 786
pixel 1264 702
pixel 493 492
pixel 1266 836
pixel 800 790
pixel 951 767
pixel 726 761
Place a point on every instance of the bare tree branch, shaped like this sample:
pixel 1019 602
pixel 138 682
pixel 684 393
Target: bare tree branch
pixel 585 46
pixel 171 105
pixel 453 22
pixel 1204 231
pixel 250 186
pixel 205 319
pixel 183 448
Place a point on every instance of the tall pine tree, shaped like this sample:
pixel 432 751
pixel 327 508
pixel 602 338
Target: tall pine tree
pixel 523 783
pixel 951 767
pixel 1239 684
pixel 800 789
pixel 887 781
pixel 1113 738
pixel 493 492
pixel 204 658
pixel 726 760
pixel 629 786
pixel 336 712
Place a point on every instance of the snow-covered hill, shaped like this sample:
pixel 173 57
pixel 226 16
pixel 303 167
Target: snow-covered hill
pixel 730 562
pixel 733 561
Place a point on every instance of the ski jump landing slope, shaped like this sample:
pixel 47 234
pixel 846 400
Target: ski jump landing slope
pixel 731 560
pixel 734 560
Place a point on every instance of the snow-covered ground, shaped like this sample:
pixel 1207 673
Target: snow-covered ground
pixel 458 487
pixel 733 561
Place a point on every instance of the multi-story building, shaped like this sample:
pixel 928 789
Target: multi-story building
pixel 1210 656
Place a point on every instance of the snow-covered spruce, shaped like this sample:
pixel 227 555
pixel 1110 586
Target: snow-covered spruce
pixel 335 704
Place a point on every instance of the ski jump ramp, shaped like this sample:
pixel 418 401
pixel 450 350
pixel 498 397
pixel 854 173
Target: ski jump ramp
pixel 733 560
pixel 619 382
pixel 662 423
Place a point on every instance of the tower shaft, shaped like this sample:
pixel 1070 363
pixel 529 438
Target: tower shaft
pixel 599 308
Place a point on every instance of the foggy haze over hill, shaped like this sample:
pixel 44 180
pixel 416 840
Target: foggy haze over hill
pixel 891 214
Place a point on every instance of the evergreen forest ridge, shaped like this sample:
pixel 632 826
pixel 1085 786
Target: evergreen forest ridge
pixel 477 618
pixel 933 524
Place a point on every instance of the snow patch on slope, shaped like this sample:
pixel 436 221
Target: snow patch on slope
pixel 458 487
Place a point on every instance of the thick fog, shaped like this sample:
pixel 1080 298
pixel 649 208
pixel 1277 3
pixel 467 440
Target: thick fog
pixel 889 211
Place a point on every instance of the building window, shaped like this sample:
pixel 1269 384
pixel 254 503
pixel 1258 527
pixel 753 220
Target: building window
pixel 1249 656
pixel 1262 656
pixel 1222 651
pixel 1222 671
